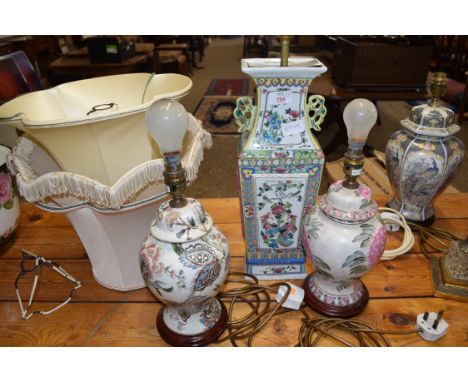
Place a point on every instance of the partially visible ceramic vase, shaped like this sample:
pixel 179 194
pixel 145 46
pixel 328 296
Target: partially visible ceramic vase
pixel 9 202
pixel 422 159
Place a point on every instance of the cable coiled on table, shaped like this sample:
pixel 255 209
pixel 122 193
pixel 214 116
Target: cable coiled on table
pixel 313 329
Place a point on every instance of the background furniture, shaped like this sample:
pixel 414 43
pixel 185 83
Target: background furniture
pixel 17 76
pixel 337 96
pixel 381 63
pixel 76 65
pixel 464 102
pixel 399 289
pixel 41 50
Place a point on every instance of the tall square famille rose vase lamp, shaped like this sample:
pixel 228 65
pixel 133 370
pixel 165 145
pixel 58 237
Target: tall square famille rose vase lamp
pixel 280 162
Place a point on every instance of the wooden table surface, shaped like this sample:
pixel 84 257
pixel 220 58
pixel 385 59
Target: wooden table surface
pixel 399 289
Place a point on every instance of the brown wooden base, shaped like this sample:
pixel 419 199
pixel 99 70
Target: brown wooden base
pixel 333 310
pixel 5 240
pixel 424 223
pixel 201 339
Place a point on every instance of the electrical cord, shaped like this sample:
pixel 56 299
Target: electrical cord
pixel 347 332
pixel 430 238
pixel 408 237
pixel 313 329
pixel 433 238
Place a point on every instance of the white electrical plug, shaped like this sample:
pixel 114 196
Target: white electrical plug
pixel 432 325
pixel 295 297
pixel 392 221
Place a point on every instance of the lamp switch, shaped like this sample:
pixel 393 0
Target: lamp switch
pixel 432 325
pixel 294 299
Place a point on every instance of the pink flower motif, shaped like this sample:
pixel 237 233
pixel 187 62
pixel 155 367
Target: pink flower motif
pixel 306 244
pixel 280 170
pixel 151 255
pixel 5 187
pixel 377 246
pixel 329 299
pixel 294 114
pixel 278 209
pixel 364 191
pixel 277 270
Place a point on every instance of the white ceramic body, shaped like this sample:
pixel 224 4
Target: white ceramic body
pixel 186 277
pixel 341 253
pixel 9 202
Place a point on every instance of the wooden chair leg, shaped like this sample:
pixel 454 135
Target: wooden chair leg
pixel 464 102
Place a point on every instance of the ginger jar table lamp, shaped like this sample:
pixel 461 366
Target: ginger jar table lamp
pixel 344 236
pixel 280 162
pixel 185 258
pixel 422 158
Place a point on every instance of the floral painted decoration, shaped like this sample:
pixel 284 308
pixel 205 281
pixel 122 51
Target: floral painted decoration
pixel 7 192
pixel 153 268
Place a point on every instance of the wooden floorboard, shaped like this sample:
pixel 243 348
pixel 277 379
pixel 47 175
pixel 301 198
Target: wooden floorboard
pixel 97 316
pixel 408 276
pixel 124 324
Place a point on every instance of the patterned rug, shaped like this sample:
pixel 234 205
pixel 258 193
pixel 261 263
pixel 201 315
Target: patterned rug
pixel 229 87
pixel 216 114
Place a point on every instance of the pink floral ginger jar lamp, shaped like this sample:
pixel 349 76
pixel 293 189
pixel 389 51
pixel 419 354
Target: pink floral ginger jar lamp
pixel 344 236
pixel 185 258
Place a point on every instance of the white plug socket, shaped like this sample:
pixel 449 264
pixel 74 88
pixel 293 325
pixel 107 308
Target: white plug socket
pixel 294 299
pixel 430 331
pixel 392 221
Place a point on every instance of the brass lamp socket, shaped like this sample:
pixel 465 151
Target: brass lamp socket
pixel 438 87
pixel 284 50
pixel 175 180
pixel 353 164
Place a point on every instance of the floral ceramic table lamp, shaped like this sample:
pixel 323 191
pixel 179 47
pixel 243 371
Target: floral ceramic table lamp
pixel 185 258
pixel 344 236
pixel 280 162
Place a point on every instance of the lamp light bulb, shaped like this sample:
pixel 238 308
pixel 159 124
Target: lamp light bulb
pixel 167 122
pixel 359 117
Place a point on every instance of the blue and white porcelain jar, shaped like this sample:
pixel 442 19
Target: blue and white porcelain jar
pixel 422 158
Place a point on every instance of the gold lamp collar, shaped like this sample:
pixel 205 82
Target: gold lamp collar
pixel 438 87
pixel 284 50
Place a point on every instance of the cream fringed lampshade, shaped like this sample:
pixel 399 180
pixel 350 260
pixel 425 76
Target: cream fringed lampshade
pixel 95 127
pixel 101 169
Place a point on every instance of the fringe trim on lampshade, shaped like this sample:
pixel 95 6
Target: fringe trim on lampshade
pixel 65 184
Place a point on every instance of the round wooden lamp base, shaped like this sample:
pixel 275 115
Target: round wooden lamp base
pixel 424 223
pixel 333 310
pixel 202 339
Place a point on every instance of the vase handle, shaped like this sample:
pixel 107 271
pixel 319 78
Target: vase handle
pixel 244 113
pixel 316 103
